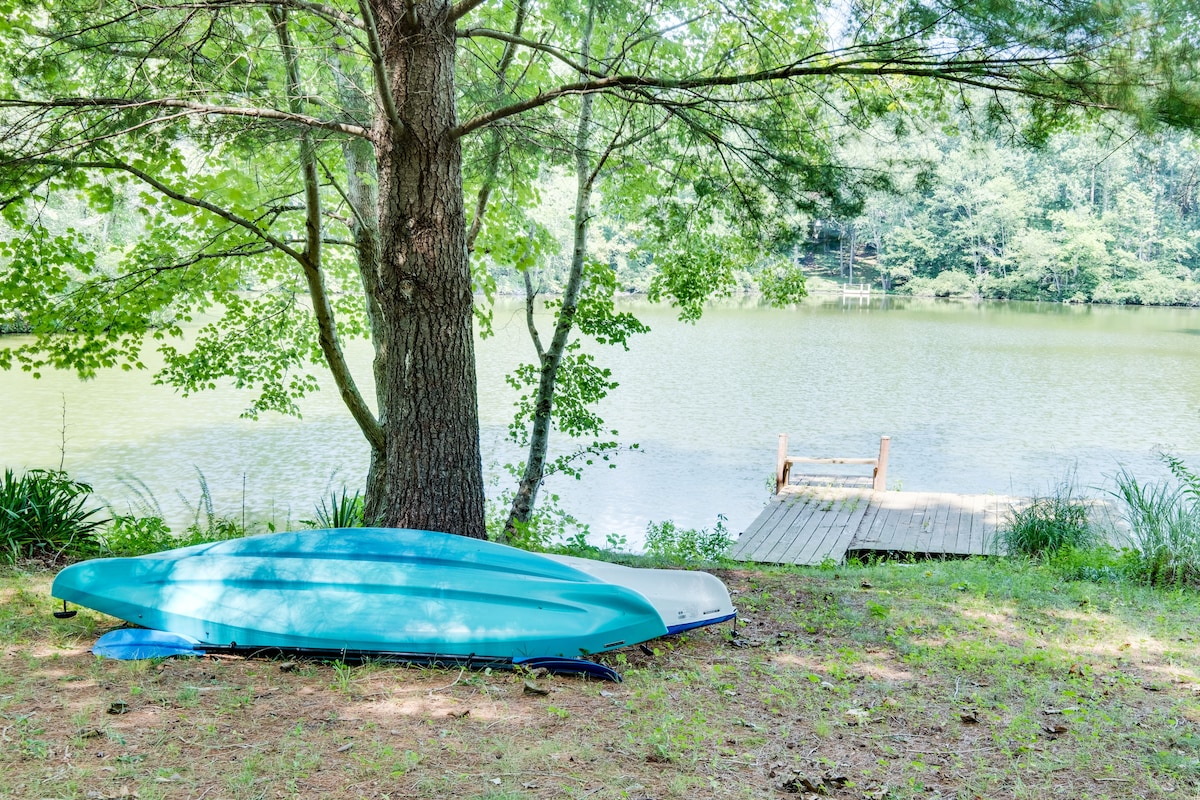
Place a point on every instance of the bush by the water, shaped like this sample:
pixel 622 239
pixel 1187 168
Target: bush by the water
pixel 688 545
pixel 46 516
pixel 130 535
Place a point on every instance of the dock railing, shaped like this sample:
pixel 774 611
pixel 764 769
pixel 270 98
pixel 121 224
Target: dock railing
pixel 784 462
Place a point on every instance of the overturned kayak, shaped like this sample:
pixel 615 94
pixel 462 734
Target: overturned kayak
pixel 368 590
pixel 684 599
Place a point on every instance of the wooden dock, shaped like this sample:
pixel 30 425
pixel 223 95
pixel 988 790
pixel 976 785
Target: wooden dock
pixel 817 518
pixel 810 524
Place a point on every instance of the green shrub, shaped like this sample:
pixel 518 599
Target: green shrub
pixel 1164 525
pixel 949 283
pixel 44 515
pixel 1048 524
pixel 687 545
pixel 129 535
pixel 550 526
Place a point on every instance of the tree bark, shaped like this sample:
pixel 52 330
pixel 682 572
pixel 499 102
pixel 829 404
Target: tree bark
pixel 429 474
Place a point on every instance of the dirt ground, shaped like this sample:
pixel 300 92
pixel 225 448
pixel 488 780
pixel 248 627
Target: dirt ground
pixel 831 685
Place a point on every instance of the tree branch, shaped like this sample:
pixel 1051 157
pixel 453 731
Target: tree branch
pixel 124 104
pixel 981 73
pixel 310 262
pixel 530 322
pixel 493 151
pixel 384 87
pixel 463 7
pixel 519 41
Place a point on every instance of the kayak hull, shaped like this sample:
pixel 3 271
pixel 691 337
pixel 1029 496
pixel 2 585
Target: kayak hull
pixel 367 589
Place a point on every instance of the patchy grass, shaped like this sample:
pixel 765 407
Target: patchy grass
pixel 967 679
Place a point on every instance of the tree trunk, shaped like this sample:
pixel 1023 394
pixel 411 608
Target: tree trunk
pixel 543 406
pixel 429 474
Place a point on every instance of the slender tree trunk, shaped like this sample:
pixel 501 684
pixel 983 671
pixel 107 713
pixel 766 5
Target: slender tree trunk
pixel 543 406
pixel 429 474
pixel 361 180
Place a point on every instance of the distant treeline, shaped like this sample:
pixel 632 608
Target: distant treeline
pixel 1086 219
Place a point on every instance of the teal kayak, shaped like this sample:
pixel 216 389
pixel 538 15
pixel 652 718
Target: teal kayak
pixel 367 590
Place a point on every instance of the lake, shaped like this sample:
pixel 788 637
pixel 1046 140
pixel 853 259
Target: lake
pixel 977 397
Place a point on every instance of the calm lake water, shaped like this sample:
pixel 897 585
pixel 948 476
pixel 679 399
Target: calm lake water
pixel 977 397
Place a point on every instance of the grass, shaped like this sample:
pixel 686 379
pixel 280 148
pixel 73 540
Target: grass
pixel 959 679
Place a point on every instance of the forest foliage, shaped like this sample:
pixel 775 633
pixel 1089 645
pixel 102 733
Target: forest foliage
pixel 248 186
pixel 1090 216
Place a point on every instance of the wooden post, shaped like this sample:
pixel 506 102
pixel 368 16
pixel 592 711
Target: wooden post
pixel 880 482
pixel 781 466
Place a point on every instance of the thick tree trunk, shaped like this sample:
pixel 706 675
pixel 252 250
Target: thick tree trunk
pixel 429 474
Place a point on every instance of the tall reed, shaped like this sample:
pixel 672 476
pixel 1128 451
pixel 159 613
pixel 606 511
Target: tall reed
pixel 1164 525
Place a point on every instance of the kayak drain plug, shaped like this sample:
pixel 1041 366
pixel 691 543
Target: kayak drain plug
pixel 64 614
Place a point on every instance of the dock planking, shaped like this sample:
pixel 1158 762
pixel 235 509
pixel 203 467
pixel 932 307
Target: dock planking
pixel 810 524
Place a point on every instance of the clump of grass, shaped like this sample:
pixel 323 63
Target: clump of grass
pixel 143 529
pixel 45 515
pixel 342 511
pixel 1164 525
pixel 1055 522
pixel 207 524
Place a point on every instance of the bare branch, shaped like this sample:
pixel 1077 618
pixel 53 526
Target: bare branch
pixel 493 151
pixel 519 41
pixel 530 321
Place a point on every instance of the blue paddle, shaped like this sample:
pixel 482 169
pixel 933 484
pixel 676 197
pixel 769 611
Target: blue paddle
pixel 133 644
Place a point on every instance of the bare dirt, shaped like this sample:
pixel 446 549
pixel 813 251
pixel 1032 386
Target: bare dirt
pixel 831 687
